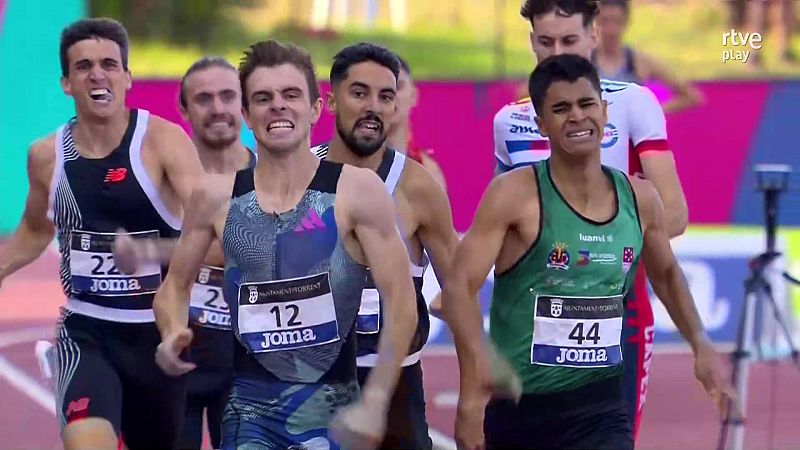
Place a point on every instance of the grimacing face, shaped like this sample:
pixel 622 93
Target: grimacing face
pixel 213 106
pixel 573 117
pixel 95 78
pixel 280 111
pixel 364 106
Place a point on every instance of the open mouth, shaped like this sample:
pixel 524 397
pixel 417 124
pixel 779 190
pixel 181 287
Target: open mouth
pixel 370 128
pixel 579 134
pixel 279 126
pixel 101 95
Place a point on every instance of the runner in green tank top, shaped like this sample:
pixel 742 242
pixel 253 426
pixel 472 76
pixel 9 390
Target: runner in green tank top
pixel 565 237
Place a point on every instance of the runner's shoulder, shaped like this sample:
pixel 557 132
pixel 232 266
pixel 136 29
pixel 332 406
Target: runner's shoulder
pixel 622 91
pixel 517 111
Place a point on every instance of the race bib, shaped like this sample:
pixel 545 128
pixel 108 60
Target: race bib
pixel 581 332
pixel 93 270
pixel 287 314
pixel 368 320
pixel 207 307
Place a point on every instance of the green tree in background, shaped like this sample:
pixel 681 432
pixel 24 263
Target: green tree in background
pixel 181 22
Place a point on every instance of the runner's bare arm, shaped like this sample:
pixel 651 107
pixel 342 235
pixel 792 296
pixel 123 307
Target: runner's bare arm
pixel 662 268
pixel 372 217
pixel 659 168
pixel 171 303
pixel 686 94
pixel 648 132
pixel 476 254
pixel 670 285
pixel 181 164
pixel 36 230
pixel 436 231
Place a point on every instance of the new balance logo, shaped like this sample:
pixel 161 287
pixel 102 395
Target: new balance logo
pixel 78 406
pixel 311 222
pixel 116 175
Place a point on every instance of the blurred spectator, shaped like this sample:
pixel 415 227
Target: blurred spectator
pixel 616 61
pixel 780 23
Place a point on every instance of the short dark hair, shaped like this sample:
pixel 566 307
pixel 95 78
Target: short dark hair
pixel 362 52
pixel 95 28
pixel 271 54
pixel 203 63
pixel 587 8
pixel 559 68
pixel 623 4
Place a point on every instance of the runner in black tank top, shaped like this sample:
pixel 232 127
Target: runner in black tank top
pixel 295 248
pixel 107 170
pixel 210 100
pixel 364 82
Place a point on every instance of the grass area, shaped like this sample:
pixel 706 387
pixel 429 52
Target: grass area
pixel 455 39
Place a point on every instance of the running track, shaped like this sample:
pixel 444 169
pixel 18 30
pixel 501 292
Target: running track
pixel 678 415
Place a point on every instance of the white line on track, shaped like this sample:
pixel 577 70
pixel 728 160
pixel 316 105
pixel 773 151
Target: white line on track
pixel 16 377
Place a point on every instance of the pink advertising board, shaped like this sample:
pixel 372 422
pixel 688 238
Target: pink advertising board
pixel 455 120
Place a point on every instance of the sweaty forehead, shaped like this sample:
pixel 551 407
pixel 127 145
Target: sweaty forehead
pixel 94 49
pixel 213 79
pixel 564 91
pixel 276 79
pixel 372 74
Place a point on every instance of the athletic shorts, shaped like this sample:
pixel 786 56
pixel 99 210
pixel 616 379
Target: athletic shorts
pixel 108 370
pixel 208 385
pixel 279 415
pixel 406 426
pixel 590 417
pixel 637 349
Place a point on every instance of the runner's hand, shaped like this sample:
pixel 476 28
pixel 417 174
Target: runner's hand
pixel 169 350
pixel 469 420
pixel 126 253
pixel 359 426
pixel 708 370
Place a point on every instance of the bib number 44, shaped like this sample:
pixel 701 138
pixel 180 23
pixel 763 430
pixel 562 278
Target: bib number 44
pixel 593 334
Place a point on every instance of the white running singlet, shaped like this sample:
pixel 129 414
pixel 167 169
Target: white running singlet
pixel 636 124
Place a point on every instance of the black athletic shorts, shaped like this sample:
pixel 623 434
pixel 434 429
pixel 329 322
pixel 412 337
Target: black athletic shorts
pixel 406 426
pixel 207 386
pixel 108 370
pixel 594 417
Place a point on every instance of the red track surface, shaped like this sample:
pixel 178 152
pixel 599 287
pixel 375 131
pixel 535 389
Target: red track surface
pixel 677 415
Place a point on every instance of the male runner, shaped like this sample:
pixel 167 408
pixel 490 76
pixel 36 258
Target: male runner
pixel 211 101
pixel 110 167
pixel 296 248
pixel 364 82
pixel 565 237
pixel 399 136
pixel 634 141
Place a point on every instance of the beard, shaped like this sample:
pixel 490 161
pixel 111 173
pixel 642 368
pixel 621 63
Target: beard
pixel 218 142
pixel 360 147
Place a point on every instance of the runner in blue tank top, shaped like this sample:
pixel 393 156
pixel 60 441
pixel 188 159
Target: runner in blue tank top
pixel 296 250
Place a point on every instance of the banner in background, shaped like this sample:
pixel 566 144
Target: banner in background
pixel 715 262
pixel 714 150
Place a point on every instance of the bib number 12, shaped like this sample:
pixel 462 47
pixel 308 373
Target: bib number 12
pixel 593 334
